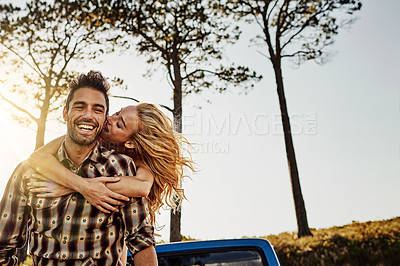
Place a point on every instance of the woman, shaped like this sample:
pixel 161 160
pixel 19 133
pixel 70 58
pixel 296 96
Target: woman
pixel 142 132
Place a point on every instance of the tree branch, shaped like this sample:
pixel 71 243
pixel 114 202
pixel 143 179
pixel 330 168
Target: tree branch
pixel 296 53
pixel 19 108
pixel 305 24
pixel 23 59
pixel 272 9
pixel 136 100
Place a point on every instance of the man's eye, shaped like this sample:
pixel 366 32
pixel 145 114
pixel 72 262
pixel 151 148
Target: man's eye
pixel 99 111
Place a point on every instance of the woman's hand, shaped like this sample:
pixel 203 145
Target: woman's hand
pixel 95 191
pixel 100 196
pixel 47 189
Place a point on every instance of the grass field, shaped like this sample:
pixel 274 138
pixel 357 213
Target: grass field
pixel 369 243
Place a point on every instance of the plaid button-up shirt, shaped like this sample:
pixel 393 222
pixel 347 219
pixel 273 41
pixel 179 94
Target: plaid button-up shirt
pixel 68 230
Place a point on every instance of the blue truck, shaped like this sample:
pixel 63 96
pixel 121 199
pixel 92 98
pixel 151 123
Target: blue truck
pixel 228 252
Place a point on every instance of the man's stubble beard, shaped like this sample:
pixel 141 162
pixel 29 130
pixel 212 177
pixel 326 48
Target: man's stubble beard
pixel 78 139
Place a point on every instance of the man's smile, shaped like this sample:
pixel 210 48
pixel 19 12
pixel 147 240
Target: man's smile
pixel 86 127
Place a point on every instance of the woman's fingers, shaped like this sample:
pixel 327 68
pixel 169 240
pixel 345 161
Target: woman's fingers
pixel 46 195
pixel 34 184
pixel 113 201
pixel 118 197
pixel 113 179
pixel 109 207
pixel 40 190
pixel 39 176
pixel 101 209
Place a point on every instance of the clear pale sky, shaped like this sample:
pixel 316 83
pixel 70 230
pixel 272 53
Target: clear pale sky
pixel 345 121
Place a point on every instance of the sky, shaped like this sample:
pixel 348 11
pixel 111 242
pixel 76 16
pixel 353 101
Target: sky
pixel 345 122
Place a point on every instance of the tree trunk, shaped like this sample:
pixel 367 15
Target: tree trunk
pixel 41 122
pixel 301 215
pixel 41 128
pixel 175 230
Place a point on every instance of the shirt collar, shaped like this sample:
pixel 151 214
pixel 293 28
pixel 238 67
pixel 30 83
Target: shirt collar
pixel 98 154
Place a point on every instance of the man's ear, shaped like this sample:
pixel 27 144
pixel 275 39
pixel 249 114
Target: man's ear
pixel 65 113
pixel 129 144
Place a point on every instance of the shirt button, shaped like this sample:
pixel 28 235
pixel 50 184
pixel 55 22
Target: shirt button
pixel 68 218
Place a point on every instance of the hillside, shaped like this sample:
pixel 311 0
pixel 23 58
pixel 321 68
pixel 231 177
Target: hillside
pixel 369 243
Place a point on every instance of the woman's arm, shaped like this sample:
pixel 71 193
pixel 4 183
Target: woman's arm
pixel 135 186
pixel 93 189
pixel 43 160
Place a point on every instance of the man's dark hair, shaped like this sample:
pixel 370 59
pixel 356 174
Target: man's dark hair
pixel 93 79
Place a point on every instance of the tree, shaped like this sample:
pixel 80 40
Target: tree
pixel 42 41
pixel 300 30
pixel 187 38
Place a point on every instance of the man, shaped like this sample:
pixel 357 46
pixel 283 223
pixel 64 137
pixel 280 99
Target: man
pixel 68 230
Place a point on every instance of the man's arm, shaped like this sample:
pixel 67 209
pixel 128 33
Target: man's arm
pixel 14 217
pixel 146 257
pixel 139 234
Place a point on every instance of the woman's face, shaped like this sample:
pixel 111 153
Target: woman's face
pixel 119 127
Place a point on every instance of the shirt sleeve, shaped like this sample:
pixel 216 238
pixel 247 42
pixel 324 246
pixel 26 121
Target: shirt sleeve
pixel 14 216
pixel 139 232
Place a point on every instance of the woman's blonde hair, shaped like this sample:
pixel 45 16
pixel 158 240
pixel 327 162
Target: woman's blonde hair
pixel 161 149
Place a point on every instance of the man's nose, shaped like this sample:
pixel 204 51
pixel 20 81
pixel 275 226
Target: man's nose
pixel 88 113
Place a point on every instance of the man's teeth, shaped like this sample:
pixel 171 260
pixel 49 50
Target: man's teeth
pixel 85 127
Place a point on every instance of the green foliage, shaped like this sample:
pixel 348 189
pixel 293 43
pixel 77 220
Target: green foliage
pixel 369 243
pixel 187 37
pixel 187 238
pixel 298 29
pixel 43 42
